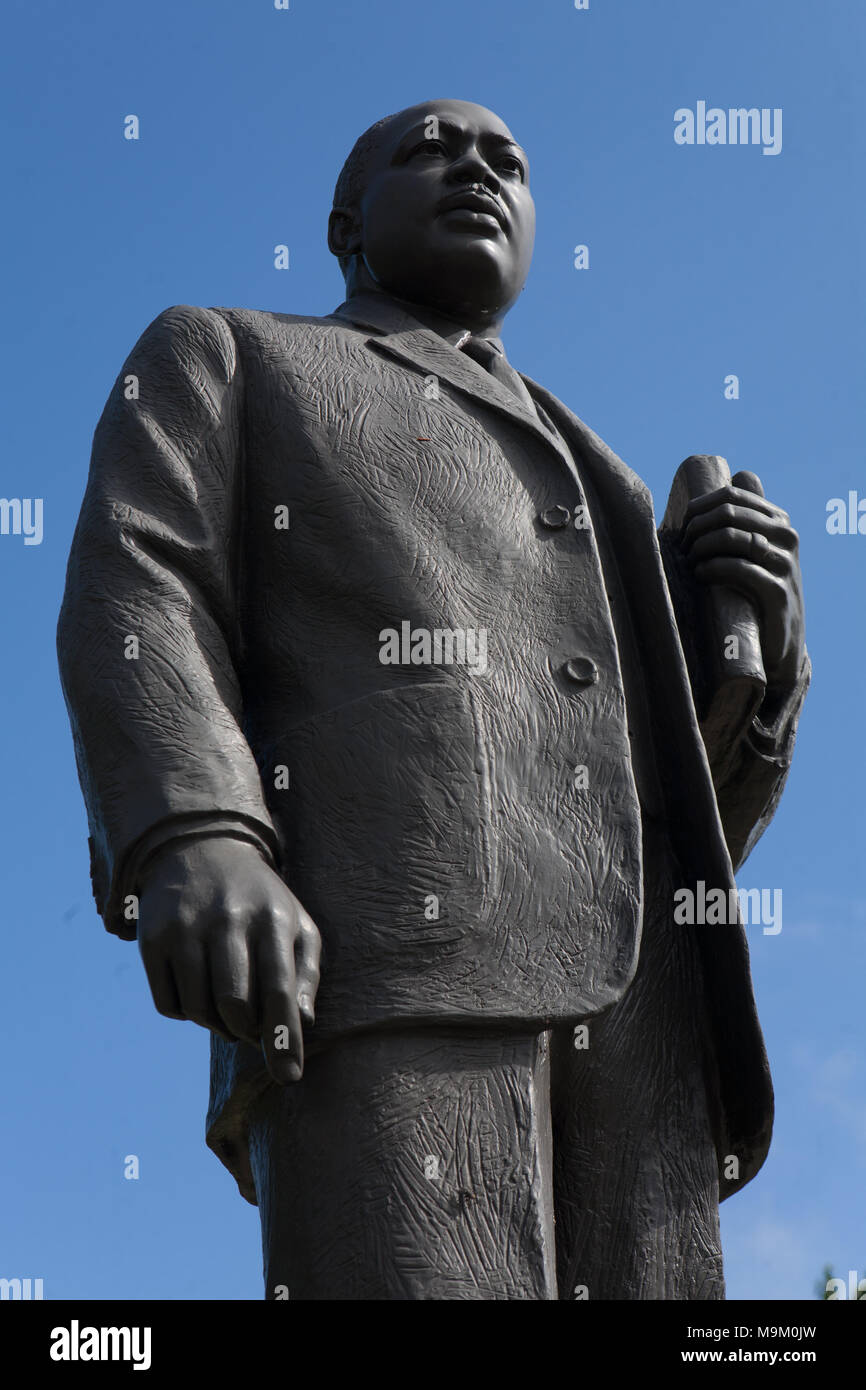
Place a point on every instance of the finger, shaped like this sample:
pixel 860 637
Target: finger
pixel 752 580
pixel 192 977
pixel 233 987
pixel 160 977
pixel 735 496
pixel 308 951
pixel 282 1038
pixel 748 545
pixel 749 482
pixel 729 516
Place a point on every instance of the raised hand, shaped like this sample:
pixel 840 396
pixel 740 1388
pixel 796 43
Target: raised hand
pixel 734 536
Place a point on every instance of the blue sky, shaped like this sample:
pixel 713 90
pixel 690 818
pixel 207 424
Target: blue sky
pixel 704 261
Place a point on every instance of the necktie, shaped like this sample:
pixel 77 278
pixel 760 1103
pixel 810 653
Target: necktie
pixel 492 358
pixel 494 361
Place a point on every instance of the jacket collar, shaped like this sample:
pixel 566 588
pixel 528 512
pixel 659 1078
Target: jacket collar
pixel 379 311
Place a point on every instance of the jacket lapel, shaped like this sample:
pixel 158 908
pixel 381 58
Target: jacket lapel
pixel 401 336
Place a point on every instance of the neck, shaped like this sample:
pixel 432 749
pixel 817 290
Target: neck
pixel 486 323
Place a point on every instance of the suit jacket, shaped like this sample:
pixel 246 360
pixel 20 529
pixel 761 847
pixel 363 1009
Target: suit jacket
pixel 268 495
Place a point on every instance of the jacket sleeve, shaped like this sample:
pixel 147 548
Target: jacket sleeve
pixel 749 778
pixel 750 757
pixel 148 637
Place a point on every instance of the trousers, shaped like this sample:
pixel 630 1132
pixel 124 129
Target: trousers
pixel 453 1163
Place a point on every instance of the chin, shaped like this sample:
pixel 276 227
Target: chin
pixel 465 274
pixel 472 272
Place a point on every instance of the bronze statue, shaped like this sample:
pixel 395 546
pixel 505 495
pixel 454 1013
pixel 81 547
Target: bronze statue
pixel 378 667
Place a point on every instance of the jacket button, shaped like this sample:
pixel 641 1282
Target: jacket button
pixel 581 670
pixel 555 518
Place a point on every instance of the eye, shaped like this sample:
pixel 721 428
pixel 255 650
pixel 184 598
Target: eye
pixel 512 165
pixel 427 145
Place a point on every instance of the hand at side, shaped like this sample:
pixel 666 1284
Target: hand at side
pixel 227 945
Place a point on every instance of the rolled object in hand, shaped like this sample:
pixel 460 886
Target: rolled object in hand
pixel 736 681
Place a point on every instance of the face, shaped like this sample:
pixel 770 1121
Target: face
pixel 446 218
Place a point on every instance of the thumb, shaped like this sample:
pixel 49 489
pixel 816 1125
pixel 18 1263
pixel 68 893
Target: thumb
pixel 749 482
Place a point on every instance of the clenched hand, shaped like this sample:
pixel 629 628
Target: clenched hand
pixel 225 944
pixel 736 537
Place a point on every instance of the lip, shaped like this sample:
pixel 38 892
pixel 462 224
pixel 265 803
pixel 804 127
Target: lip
pixel 474 202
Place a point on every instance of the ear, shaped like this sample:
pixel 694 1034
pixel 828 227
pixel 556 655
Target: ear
pixel 344 232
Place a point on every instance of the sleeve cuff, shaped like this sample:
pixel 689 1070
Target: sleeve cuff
pixel 167 832
pixel 771 734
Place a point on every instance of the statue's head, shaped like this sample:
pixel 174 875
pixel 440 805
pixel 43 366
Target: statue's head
pixel 433 206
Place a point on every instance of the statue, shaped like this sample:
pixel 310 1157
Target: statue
pixel 419 762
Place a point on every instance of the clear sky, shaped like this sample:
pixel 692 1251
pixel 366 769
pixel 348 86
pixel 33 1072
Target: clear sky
pixel 705 261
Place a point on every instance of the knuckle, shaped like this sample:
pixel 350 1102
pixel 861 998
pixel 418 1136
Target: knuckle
pixel 309 976
pixel 276 911
pixel 308 929
pixel 283 919
pixel 181 919
pixel 232 915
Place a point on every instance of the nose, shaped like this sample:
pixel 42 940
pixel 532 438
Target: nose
pixel 472 167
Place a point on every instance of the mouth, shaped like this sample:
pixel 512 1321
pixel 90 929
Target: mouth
pixel 482 208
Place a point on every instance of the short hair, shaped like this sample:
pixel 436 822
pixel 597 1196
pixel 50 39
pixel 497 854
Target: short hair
pixel 353 176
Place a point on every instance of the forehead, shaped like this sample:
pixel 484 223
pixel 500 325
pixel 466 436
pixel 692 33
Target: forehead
pixel 461 117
